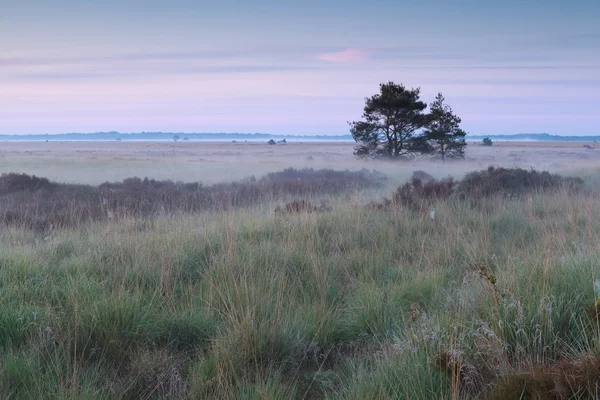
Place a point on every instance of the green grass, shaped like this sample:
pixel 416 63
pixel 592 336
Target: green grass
pixel 347 304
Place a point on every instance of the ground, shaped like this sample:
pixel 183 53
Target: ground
pixel 210 162
pixel 493 296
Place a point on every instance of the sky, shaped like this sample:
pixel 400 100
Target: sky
pixel 294 67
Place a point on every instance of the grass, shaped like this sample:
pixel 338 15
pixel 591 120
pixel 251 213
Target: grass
pixel 352 303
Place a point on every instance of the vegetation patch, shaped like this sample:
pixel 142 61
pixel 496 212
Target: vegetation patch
pixel 39 204
pixel 301 206
pixel 423 191
pixel 348 304
pixel 512 183
pixel 12 182
pixel 420 193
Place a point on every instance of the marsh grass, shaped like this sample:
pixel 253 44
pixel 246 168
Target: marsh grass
pixel 353 303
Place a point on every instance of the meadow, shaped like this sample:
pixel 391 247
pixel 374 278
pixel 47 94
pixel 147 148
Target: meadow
pixel 317 290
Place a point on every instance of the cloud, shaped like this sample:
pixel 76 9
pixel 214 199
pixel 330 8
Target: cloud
pixel 42 61
pixel 159 71
pixel 346 56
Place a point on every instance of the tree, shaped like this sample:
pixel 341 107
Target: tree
pixel 443 130
pixel 175 138
pixel 487 141
pixel 390 122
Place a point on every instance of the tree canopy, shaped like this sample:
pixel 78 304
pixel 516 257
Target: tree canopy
pixel 443 130
pixel 394 124
pixel 390 120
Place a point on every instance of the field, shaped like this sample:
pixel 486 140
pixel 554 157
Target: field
pixel 314 291
pixel 212 162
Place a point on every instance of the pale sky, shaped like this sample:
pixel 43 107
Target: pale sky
pixel 294 67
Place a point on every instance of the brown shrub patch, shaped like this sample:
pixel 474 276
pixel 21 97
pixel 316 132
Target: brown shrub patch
pixel 564 380
pixel 301 206
pixel 512 183
pixel 39 204
pixel 416 195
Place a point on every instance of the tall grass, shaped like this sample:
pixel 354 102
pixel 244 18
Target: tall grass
pixel 352 303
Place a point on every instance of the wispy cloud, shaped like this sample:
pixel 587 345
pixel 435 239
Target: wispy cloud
pixel 159 71
pixel 42 61
pixel 346 56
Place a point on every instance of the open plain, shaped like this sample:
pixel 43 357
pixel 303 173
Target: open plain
pixel 483 287
pixel 212 162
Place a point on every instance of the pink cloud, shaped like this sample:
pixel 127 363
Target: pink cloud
pixel 346 56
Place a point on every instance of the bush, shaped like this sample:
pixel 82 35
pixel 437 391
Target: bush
pixel 11 183
pixel 422 176
pixel 271 142
pixel 487 141
pixel 417 195
pixel 512 183
pixel 301 206
pixel 39 204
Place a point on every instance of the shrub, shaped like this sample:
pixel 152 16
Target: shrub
pixel 12 182
pixel 417 195
pixel 422 176
pixel 39 204
pixel 487 141
pixel 301 206
pixel 512 183
pixel 271 142
pixel 566 379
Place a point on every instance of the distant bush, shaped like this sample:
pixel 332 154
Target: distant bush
pixel 10 183
pixel 39 204
pixel 271 142
pixel 487 141
pixel 512 182
pixel 422 191
pixel 422 176
pixel 301 206
pixel 417 195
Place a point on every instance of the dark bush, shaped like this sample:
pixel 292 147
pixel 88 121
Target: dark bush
pixel 417 195
pixel 11 183
pixel 512 183
pixel 422 176
pixel 301 206
pixel 40 204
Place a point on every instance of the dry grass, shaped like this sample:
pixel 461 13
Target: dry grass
pixel 493 301
pixel 216 162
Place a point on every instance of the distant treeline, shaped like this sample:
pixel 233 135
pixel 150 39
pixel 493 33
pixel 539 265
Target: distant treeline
pixel 536 137
pixel 264 136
